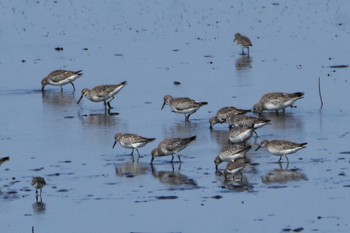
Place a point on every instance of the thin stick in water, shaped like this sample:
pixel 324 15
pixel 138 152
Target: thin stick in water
pixel 319 91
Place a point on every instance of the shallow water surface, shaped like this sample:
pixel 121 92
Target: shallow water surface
pixel 94 188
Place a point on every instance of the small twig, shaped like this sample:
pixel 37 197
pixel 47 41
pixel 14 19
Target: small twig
pixel 32 229
pixel 319 91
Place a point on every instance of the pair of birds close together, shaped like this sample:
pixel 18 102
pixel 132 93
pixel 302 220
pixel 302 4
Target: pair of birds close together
pixel 100 93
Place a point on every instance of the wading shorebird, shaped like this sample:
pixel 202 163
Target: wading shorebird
pixel 131 141
pixel 231 153
pixel 224 113
pixel 247 121
pixel 276 101
pixel 240 134
pixel 243 41
pixel 38 183
pixel 235 167
pixel 184 105
pixel 102 93
pixel 60 78
pixel 171 146
pixel 281 147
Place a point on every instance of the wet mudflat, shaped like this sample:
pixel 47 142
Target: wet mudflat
pixel 94 188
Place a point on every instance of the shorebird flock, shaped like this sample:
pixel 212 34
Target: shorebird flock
pixel 242 123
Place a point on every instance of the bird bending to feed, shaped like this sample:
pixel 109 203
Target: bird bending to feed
pixel 277 101
pixel 131 141
pixel 60 78
pixel 224 113
pixel 231 153
pixel 281 147
pixel 38 183
pixel 243 41
pixel 4 159
pixel 171 146
pixel 247 121
pixel 185 105
pixel 102 93
pixel 236 166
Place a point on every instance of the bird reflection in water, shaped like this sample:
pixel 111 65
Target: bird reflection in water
pixel 283 175
pixel 243 63
pixel 97 118
pixel 58 99
pixel 131 169
pixel 174 179
pixel 232 178
pixel 39 207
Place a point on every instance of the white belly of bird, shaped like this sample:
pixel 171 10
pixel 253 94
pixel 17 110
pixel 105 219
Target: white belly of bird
pixel 271 106
pixel 241 137
pixel 185 111
pixel 232 157
pixel 64 81
pixel 282 152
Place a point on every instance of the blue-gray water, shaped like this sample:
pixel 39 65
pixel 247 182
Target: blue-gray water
pixel 94 188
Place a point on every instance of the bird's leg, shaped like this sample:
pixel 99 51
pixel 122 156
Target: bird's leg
pixel 179 158
pixel 248 51
pixel 287 159
pixel 61 89
pixel 188 117
pixel 172 159
pixel 132 152
pixel 138 152
pixel 109 103
pixel 280 159
pixel 277 112
pixel 73 86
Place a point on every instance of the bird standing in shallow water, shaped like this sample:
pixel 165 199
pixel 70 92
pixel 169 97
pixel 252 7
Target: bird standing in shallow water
pixel 240 134
pixel 276 101
pixel 171 146
pixel 60 78
pixel 235 167
pixel 38 183
pixel 281 147
pixel 132 141
pixel 102 93
pixel 224 113
pixel 231 153
pixel 185 105
pixel 243 41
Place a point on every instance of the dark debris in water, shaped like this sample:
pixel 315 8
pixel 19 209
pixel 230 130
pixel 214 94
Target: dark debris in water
pixel 345 153
pixel 217 197
pixel 62 190
pixel 171 197
pixel 299 229
pixel 68 117
pixel 177 83
pixel 338 66
pixel 37 169
pixel 59 48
